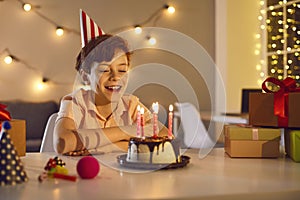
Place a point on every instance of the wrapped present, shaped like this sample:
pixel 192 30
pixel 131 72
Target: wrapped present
pixel 248 141
pixel 276 108
pixel 292 144
pixel 17 131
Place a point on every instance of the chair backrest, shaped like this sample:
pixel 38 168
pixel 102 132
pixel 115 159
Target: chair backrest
pixel 47 142
pixel 195 133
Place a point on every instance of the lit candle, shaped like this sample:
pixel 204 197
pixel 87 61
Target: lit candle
pixel 170 131
pixel 142 122
pixel 138 121
pixel 155 121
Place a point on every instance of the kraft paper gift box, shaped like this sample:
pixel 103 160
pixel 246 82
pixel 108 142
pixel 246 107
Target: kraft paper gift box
pixel 255 142
pixel 276 109
pixel 261 110
pixel 292 144
pixel 17 134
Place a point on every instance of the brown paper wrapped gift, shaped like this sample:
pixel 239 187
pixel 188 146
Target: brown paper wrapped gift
pixel 276 108
pixel 251 141
pixel 261 110
pixel 18 135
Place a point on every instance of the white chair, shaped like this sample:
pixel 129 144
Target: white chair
pixel 47 142
pixel 195 133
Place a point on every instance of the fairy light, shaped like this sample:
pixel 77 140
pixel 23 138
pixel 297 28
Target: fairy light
pixel 138 29
pixel 151 40
pixel 262 3
pixel 171 9
pixel 262 74
pixel 27 7
pixel 59 31
pixel 260 37
pixel 41 85
pixel 258 67
pixel 8 59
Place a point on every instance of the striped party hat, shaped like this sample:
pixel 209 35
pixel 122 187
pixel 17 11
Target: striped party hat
pixel 89 29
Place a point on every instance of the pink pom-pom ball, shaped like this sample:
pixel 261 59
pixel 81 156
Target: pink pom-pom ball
pixel 88 167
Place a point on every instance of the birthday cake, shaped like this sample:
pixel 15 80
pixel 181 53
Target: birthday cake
pixel 153 150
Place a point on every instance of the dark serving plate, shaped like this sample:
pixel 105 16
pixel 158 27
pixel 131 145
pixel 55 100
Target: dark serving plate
pixel 149 166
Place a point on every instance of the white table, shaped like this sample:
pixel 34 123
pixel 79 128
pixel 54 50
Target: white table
pixel 215 177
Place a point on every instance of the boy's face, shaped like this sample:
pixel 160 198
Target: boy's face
pixel 109 79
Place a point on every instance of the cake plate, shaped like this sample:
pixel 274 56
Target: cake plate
pixel 149 166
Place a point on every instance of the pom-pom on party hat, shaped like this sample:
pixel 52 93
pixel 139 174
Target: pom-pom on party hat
pixel 89 29
pixel 11 167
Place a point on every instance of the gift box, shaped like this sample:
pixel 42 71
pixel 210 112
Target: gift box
pixel 292 144
pixel 17 135
pixel 256 142
pixel 261 110
pixel 276 109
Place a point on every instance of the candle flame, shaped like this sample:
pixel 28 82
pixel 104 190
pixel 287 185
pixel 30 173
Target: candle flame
pixel 142 110
pixel 170 107
pixel 155 107
pixel 138 108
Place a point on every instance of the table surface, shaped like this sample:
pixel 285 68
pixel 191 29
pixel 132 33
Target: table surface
pixel 216 176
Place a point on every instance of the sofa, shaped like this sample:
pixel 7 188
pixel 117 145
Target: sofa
pixel 36 116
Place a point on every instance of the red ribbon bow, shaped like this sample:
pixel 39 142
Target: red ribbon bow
pixel 281 97
pixel 4 114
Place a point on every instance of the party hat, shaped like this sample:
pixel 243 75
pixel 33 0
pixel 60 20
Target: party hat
pixel 89 29
pixel 11 167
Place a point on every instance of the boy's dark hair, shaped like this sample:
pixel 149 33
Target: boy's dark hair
pixel 99 49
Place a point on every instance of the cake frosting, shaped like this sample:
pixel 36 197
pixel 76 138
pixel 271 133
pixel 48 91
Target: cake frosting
pixel 153 150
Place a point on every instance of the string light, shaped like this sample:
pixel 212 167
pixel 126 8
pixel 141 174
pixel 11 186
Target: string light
pixel 138 29
pixel 60 30
pixel 27 7
pixel 151 40
pixel 154 17
pixel 170 9
pixel 8 59
pixel 42 84
pixel 281 38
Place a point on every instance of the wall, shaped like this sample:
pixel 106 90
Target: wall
pixel 242 25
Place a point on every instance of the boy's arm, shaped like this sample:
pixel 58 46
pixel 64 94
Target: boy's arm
pixel 67 138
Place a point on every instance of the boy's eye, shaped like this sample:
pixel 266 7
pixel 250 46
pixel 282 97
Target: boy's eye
pixel 103 69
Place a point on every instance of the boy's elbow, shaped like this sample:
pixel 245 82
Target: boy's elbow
pixel 60 145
